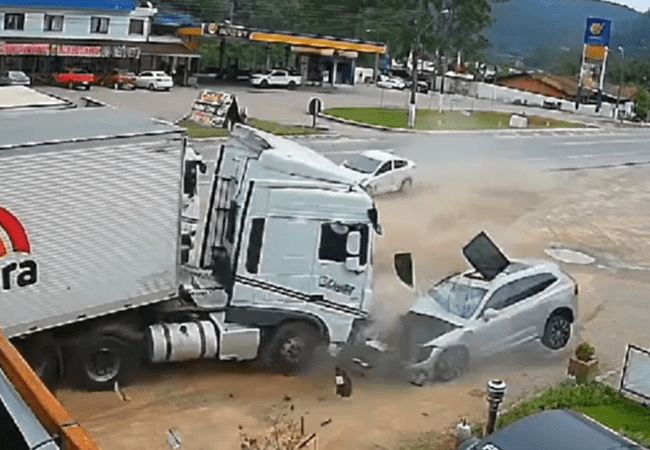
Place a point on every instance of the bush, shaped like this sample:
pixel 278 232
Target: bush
pixel 584 352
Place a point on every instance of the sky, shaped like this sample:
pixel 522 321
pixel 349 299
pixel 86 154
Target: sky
pixel 639 5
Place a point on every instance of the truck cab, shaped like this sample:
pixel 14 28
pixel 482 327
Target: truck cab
pixel 281 235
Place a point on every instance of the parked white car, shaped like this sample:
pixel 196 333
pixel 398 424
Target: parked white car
pixel 391 82
pixel 276 77
pixel 498 306
pixel 154 80
pixel 380 172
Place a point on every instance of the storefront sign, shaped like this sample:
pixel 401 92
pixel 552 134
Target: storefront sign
pixel 74 50
pixel 226 30
pixel 120 51
pixel 26 49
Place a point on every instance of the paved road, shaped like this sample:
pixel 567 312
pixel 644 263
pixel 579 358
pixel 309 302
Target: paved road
pixel 609 145
pixel 562 149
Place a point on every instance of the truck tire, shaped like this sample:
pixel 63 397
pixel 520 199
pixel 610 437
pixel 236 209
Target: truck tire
pixel 70 85
pixel 151 87
pixel 406 185
pixel 291 349
pixel 98 361
pixel 264 84
pixel 292 85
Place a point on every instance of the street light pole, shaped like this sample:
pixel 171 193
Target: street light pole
pixel 620 82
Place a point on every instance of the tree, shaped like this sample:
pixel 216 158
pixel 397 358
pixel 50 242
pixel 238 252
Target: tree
pixel 642 104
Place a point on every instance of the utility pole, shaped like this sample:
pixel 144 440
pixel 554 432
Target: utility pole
pixel 620 82
pixel 414 68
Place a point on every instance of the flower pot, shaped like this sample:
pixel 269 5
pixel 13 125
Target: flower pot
pixel 584 371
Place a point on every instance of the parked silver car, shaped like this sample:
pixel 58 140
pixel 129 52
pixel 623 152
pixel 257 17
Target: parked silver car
pixel 14 78
pixel 498 306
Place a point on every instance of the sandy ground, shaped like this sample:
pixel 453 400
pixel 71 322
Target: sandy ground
pixel 602 212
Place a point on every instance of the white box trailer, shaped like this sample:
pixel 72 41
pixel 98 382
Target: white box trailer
pixel 84 233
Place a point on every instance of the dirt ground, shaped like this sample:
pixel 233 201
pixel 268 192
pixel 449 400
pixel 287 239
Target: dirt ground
pixel 603 213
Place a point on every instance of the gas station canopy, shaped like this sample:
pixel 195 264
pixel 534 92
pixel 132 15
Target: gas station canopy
pixel 313 41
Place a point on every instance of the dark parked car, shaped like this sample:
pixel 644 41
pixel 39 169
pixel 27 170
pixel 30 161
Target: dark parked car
pixel 559 429
pixel 14 78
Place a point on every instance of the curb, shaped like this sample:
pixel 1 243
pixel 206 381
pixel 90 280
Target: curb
pixel 409 130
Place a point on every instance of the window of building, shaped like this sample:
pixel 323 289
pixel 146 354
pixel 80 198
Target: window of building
pixel 14 21
pixel 136 26
pixel 53 23
pixel 99 25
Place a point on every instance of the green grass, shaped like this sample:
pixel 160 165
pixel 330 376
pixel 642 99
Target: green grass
pixel 281 130
pixel 428 119
pixel 196 131
pixel 596 400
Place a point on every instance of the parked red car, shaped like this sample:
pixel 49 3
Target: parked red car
pixel 119 79
pixel 74 78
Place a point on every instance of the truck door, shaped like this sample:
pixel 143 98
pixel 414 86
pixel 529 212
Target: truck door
pixel 341 267
pixel 276 261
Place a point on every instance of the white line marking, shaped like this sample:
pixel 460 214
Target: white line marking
pixel 619 141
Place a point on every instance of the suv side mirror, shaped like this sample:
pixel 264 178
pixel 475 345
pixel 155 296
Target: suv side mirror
pixel 404 268
pixel 490 314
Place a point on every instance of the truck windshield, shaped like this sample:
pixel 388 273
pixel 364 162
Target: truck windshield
pixel 458 299
pixel 363 164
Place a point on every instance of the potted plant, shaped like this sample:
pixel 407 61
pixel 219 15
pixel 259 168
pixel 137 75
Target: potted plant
pixel 584 366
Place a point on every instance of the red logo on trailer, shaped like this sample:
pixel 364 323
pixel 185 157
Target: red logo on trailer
pixel 19 273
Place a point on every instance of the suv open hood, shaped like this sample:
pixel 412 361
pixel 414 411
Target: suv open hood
pixel 485 256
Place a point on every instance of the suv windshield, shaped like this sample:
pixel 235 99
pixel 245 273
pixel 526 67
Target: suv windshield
pixel 458 299
pixel 363 164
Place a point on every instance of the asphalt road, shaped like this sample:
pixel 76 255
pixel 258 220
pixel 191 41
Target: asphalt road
pixel 606 146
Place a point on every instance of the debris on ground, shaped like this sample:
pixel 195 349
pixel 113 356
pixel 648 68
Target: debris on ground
pixel 282 433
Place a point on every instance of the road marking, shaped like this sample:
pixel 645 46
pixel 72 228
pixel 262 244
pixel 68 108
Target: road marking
pixel 618 141
pixel 336 152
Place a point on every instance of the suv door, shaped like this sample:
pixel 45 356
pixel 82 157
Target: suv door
pixel 519 317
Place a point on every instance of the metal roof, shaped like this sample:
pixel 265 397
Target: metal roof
pixel 108 5
pixel 27 128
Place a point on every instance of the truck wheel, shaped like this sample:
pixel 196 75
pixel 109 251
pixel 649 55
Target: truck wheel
pixel 99 361
pixel 264 84
pixel 291 348
pixel 71 85
pixel 151 87
pixel 292 85
pixel 557 331
pixel 406 185
pixel 451 364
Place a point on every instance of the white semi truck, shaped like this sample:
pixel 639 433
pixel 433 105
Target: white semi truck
pixel 118 244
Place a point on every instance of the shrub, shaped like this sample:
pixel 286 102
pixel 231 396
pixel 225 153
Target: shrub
pixel 585 352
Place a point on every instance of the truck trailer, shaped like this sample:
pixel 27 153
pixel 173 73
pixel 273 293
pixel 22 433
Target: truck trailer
pixel 119 244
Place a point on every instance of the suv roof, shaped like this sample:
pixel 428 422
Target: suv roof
pixel 557 430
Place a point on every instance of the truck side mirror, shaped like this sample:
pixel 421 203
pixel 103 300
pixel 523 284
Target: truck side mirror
pixel 404 268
